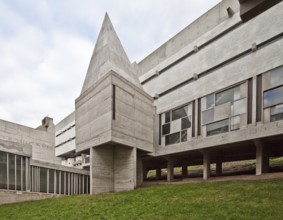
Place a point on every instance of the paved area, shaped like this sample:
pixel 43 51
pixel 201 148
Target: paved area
pixel 215 179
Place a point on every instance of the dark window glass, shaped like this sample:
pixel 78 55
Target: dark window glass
pixel 273 97
pixel 43 180
pixel 186 123
pixel 24 173
pixel 226 96
pixel 3 170
pixel 276 76
pixel 166 129
pixel 172 138
pixel 18 168
pixel 276 113
pixel 210 101
pixel 208 116
pixel 184 136
pixel 51 181
pixel 167 117
pixel 62 182
pixel 12 184
pixel 57 181
pixel 235 123
pixel 217 127
pixel 179 113
pixel 85 185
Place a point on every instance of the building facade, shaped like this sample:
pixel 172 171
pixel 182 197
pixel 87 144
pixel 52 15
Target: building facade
pixel 211 94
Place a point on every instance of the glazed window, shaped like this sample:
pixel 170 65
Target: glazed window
pixel 239 107
pixel 210 101
pixel 172 138
pixel 217 127
pixel 186 123
pixel 276 76
pixel 235 123
pixel 166 129
pixel 273 97
pixel 208 116
pixel 179 113
pixel 184 136
pixel 167 117
pixel 276 113
pixel 227 96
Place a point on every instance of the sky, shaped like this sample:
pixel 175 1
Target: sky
pixel 46 46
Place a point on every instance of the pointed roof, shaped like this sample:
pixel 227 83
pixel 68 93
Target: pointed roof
pixel 109 54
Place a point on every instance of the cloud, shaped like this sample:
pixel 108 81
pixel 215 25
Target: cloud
pixel 46 47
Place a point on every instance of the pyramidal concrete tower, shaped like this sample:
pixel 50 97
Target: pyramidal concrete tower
pixel 114 116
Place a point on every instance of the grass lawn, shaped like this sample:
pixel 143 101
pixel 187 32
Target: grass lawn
pixel 230 200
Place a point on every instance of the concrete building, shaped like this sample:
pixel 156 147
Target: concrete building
pixel 211 94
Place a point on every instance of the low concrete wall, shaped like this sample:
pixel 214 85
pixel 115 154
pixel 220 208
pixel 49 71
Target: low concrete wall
pixel 10 196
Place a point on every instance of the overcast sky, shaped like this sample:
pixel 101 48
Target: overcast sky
pixel 46 45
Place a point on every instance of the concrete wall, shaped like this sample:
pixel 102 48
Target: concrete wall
pixel 101 168
pixel 124 168
pixel 134 114
pixel 220 53
pixel 9 196
pixel 202 25
pixel 22 140
pixel 65 134
pixel 94 115
pixel 258 30
pixel 113 169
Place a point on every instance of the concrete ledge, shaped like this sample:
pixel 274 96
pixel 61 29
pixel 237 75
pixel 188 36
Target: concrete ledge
pixel 11 196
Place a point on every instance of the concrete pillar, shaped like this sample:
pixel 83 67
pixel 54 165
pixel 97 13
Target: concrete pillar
pixel 184 171
pixel 262 158
pixel 158 173
pixel 170 169
pixel 139 171
pixel 206 165
pixel 219 167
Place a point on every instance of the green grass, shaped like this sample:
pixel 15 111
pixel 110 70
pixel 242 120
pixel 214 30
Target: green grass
pixel 230 200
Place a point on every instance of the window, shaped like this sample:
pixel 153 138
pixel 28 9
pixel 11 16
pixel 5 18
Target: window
pixel 217 127
pixel 18 172
pixel 239 107
pixel 276 113
pixel 166 129
pixel 235 123
pixel 172 138
pixel 276 76
pixel 273 97
pixel 181 119
pixel 12 184
pixel 43 180
pixel 179 113
pixel 228 95
pixel 167 117
pixel 186 123
pixel 184 135
pixel 208 116
pixel 3 170
pixel 225 96
pixel 210 101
